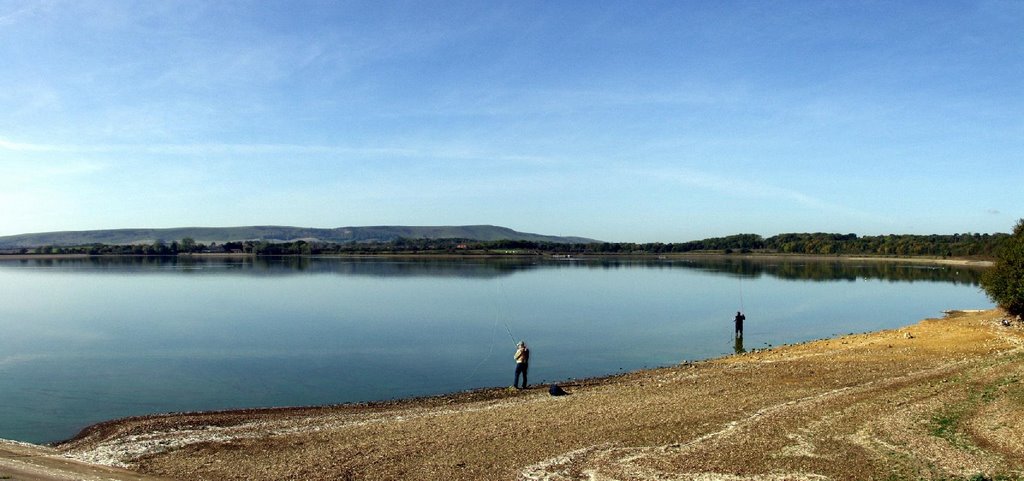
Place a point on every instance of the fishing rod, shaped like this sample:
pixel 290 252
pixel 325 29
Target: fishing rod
pixel 741 295
pixel 501 292
pixel 509 331
pixel 497 317
pixel 733 338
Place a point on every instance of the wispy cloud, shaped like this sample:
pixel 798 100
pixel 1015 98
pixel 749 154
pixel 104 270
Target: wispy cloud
pixel 27 147
pixel 743 188
pixel 23 11
pixel 23 171
pixel 495 101
pixel 28 97
pixel 431 151
pixel 197 149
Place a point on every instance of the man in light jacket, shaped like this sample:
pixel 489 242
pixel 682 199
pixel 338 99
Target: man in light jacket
pixel 522 358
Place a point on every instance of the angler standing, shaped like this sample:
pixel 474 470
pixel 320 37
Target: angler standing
pixel 739 324
pixel 522 358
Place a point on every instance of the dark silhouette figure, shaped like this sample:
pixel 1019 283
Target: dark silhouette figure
pixel 522 358
pixel 739 324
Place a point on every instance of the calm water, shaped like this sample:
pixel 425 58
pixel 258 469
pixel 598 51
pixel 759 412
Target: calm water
pixel 83 341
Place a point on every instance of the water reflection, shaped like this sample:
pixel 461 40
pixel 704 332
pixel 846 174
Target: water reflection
pixel 846 270
pixel 738 346
pixel 779 268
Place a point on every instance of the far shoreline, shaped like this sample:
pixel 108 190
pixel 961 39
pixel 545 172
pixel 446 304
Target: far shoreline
pixel 952 261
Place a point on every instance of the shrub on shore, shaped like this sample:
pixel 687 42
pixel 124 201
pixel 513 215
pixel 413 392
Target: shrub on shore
pixel 1004 283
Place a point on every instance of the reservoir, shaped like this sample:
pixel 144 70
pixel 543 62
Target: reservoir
pixel 89 339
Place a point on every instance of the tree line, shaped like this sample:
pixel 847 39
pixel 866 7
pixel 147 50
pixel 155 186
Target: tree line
pixel 954 245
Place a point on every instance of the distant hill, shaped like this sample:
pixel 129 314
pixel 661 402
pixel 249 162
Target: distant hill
pixel 206 235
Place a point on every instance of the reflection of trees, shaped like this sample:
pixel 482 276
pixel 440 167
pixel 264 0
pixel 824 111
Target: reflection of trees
pixel 821 271
pixel 282 266
pixel 787 269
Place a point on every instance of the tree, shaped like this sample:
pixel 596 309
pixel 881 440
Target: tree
pixel 158 247
pixel 1004 283
pixel 188 245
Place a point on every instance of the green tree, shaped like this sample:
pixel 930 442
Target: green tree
pixel 1004 283
pixel 158 247
pixel 188 244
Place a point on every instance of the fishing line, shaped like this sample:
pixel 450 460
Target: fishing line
pixel 494 328
pixel 490 350
pixel 741 295
pixel 504 298
pixel 732 338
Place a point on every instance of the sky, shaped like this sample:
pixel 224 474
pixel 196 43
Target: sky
pixel 624 121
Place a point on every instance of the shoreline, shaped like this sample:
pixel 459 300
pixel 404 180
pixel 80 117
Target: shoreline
pixel 939 399
pixel 967 262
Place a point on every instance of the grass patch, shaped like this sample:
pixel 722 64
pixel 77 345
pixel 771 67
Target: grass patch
pixel 976 477
pixel 1014 391
pixel 998 477
pixel 1010 385
pixel 946 425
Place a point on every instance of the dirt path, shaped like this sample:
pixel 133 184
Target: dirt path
pixel 940 400
pixel 26 462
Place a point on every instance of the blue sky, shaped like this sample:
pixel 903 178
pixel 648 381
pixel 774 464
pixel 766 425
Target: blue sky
pixel 621 121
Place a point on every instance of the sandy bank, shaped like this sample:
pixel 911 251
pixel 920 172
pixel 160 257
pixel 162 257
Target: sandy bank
pixel 942 399
pixel 28 462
